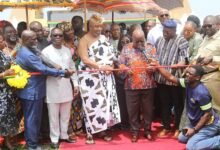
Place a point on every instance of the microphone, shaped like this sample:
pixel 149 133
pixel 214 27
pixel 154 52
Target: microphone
pixel 115 62
pixel 187 60
pixel 143 50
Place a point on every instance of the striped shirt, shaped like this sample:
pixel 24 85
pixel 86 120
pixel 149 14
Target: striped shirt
pixel 169 53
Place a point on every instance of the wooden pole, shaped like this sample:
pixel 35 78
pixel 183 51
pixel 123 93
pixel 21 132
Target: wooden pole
pixel 113 16
pixel 145 15
pixel 85 16
pixel 27 17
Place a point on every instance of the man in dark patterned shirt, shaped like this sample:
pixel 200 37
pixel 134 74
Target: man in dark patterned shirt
pixel 171 49
pixel 139 83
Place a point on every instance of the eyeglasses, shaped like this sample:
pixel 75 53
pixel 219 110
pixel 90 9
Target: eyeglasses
pixel 164 15
pixel 57 35
pixel 125 42
pixel 140 41
pixel 207 25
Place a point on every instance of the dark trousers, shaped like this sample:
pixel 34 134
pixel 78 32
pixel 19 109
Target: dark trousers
pixel 32 120
pixel 44 129
pixel 122 104
pixel 135 100
pixel 157 109
pixel 170 96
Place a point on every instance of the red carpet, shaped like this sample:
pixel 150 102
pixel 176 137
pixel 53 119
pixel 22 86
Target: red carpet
pixel 121 141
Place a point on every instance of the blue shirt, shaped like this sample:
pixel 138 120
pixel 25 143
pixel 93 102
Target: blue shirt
pixel 36 87
pixel 198 101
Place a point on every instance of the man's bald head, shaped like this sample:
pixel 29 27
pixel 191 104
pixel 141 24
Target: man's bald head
pixel 137 33
pixel 210 19
pixel 38 29
pixel 29 38
pixel 132 28
pixel 33 24
pixel 26 34
pixel 210 25
pixel 138 39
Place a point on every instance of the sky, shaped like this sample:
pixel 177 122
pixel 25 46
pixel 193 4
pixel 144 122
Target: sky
pixel 202 8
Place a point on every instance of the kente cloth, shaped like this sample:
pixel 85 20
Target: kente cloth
pixel 98 92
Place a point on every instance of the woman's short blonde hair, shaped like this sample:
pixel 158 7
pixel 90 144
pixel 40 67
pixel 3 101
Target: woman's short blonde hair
pixel 96 19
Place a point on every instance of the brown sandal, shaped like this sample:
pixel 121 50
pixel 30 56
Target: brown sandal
pixel 105 136
pixel 89 140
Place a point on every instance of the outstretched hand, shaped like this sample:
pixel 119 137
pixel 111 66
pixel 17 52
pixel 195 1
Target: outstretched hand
pixel 107 69
pixel 58 67
pixel 154 63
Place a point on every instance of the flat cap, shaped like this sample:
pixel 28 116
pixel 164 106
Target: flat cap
pixel 169 23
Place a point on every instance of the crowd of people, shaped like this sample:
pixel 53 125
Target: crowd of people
pixel 112 77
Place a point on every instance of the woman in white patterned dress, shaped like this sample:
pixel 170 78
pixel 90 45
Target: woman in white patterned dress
pixel 97 88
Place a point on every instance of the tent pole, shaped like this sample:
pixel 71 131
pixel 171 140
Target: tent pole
pixel 27 17
pixel 113 16
pixel 145 15
pixel 85 16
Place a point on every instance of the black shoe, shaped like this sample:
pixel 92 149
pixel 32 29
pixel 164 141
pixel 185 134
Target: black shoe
pixel 134 138
pixel 54 145
pixel 69 140
pixel 149 136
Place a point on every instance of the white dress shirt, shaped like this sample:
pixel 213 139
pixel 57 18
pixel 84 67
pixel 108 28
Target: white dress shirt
pixel 157 32
pixel 58 89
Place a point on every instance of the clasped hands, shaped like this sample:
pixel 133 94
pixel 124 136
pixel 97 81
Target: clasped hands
pixel 106 68
pixel 150 68
pixel 68 73
pixel 204 60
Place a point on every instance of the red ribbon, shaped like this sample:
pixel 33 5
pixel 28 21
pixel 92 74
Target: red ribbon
pixel 124 69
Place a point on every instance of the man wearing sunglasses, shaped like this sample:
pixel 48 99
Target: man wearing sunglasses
pixel 42 42
pixel 59 91
pixel 210 49
pixel 32 96
pixel 157 31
